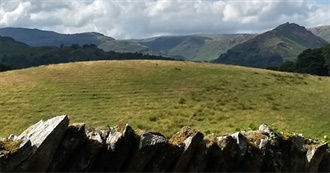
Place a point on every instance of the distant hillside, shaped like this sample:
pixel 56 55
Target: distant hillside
pixel 195 47
pixel 19 55
pixel 322 31
pixel 164 96
pixel 276 47
pixel 127 46
pixel 272 48
pixel 10 46
pixel 36 37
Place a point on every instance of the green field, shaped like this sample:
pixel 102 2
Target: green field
pixel 164 96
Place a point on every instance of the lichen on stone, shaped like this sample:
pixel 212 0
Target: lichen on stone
pixel 9 146
pixel 182 135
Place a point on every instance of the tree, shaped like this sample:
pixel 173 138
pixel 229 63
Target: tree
pixel 288 66
pixel 326 55
pixel 312 61
pixel 5 67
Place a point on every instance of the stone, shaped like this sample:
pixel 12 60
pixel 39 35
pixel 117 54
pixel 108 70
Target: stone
pixel 10 161
pixel 242 143
pixel 200 159
pixel 120 143
pixel 150 143
pixel 189 139
pixel 164 160
pixel 230 152
pixel 84 156
pixel 324 165
pixel 265 129
pixel 315 154
pixel 293 154
pixel 45 137
pixel 264 149
pixel 102 159
pixel 74 138
pixel 253 159
pixel 214 157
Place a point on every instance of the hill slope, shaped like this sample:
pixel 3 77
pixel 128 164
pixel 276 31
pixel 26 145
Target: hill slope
pixel 164 96
pixel 272 48
pixel 127 46
pixel 19 55
pixel 36 37
pixel 322 31
pixel 204 47
pixel 192 47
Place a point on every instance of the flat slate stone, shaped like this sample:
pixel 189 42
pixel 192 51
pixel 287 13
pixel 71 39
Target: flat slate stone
pixel 45 137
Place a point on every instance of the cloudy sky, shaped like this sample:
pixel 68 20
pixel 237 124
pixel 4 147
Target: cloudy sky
pixel 145 18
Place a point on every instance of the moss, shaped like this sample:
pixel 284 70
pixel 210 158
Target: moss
pixel 286 136
pixel 121 127
pixel 9 146
pixel 182 135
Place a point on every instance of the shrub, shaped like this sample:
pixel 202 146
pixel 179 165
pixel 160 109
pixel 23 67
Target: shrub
pixel 182 101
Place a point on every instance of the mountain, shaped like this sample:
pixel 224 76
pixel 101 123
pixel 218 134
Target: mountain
pixel 127 46
pixel 36 37
pixel 20 55
pixel 201 47
pixel 273 47
pixel 322 31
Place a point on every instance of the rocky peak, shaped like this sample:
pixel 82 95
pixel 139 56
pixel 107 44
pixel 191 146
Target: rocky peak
pixel 290 27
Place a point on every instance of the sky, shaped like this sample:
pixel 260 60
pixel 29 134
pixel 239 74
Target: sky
pixel 125 19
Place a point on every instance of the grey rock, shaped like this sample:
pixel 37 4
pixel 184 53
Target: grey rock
pixel 190 140
pixel 164 160
pixel 265 129
pixel 150 143
pixel 199 160
pixel 253 160
pixel 45 137
pixel 315 154
pixel 10 162
pixel 230 152
pixel 214 157
pixel 120 143
pixel 84 156
pixel 74 138
pixel 324 165
pixel 242 143
pixel 293 155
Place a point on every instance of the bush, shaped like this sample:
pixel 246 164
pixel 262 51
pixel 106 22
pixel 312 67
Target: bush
pixel 182 101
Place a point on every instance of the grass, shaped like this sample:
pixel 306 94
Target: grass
pixel 164 96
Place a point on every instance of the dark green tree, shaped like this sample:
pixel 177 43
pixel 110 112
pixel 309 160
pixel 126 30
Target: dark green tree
pixel 288 66
pixel 312 61
pixel 326 55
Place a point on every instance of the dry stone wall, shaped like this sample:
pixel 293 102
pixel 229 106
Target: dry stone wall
pixel 55 146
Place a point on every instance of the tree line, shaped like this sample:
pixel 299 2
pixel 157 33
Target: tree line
pixel 53 55
pixel 310 61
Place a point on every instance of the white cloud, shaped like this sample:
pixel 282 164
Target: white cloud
pixel 145 18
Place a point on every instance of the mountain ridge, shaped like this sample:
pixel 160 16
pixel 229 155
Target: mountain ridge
pixel 20 55
pixel 272 47
pixel 198 47
pixel 37 37
pixel 322 31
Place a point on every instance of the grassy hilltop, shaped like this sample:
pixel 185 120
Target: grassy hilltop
pixel 164 96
